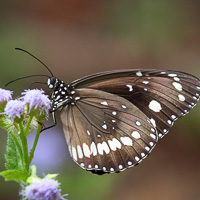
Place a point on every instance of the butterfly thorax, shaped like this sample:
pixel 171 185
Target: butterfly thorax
pixel 61 95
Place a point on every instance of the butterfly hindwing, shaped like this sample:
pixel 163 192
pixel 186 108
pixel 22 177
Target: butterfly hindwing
pixel 106 133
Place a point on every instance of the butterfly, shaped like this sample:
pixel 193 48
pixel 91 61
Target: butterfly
pixel 112 120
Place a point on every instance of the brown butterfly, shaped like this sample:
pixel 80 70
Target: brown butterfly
pixel 112 120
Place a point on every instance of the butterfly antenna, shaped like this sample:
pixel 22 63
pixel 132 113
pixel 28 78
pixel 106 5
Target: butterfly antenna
pixel 35 58
pixel 24 78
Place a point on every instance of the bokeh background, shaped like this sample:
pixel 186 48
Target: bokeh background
pixel 77 38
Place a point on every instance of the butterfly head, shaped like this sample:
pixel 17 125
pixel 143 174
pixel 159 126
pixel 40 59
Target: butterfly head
pixel 52 81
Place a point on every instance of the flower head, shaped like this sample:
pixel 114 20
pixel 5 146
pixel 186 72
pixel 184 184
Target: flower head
pixel 14 109
pixel 44 189
pixel 5 95
pixel 39 104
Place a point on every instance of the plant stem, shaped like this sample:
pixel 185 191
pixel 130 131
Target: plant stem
pixel 25 146
pixel 35 142
pixel 28 124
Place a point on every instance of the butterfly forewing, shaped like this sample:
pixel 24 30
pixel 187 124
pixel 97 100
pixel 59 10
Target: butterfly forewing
pixel 163 96
pixel 106 133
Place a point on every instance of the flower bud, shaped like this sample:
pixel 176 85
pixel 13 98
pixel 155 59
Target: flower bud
pixel 5 96
pixel 38 103
pixel 15 110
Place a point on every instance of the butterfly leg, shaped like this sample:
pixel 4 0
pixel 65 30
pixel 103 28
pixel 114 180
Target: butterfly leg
pixel 55 123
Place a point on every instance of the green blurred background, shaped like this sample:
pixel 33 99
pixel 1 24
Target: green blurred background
pixel 77 38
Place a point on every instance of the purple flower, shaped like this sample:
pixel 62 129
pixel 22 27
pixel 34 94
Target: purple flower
pixel 5 95
pixel 37 100
pixel 46 189
pixel 14 108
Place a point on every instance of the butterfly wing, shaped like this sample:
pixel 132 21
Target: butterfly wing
pixel 106 133
pixel 163 96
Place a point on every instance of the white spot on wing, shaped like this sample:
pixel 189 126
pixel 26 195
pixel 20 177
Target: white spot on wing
pixel 126 141
pixel 153 136
pixel 176 79
pixel 105 147
pixel 111 169
pixel 142 154
pixel 137 158
pixel 104 126
pixel 82 164
pixel 169 121
pixel 129 163
pixel 104 103
pixel 114 144
pixel 145 82
pixel 153 130
pixel 88 132
pixel 147 148
pixel 74 153
pixel 173 117
pixel 114 113
pixel 93 149
pixel 153 122
pixel 172 75
pixel 181 97
pixel 80 153
pixel 100 148
pixel 135 134
pixel 86 150
pixel 151 143
pixel 138 73
pixel 138 123
pixel 155 106
pixel 178 86
pixel 160 135
pixel 130 87
pixel 194 98
pixel 123 106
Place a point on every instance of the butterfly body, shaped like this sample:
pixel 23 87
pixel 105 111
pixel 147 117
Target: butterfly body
pixel 112 120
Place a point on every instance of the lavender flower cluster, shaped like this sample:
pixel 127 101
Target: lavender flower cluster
pixel 43 189
pixel 35 100
pixel 34 104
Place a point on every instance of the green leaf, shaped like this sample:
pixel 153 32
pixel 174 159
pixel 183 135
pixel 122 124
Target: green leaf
pixel 15 175
pixel 13 160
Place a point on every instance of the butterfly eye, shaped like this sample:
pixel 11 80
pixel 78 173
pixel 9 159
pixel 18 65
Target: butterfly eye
pixel 51 82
